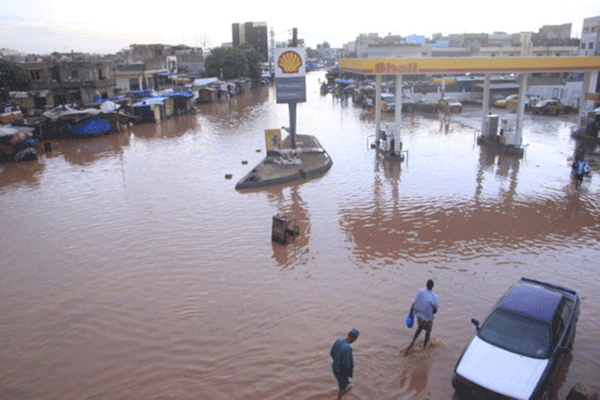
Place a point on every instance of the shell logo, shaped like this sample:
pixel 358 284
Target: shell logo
pixel 289 62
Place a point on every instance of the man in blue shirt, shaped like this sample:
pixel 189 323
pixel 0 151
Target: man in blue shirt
pixel 343 362
pixel 425 305
pixel 581 168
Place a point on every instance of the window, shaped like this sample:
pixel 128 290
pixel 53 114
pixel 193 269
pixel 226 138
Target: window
pixel 583 45
pixel 101 76
pixel 134 84
pixel 36 75
pixel 590 45
pixel 516 333
pixel 561 320
pixel 74 74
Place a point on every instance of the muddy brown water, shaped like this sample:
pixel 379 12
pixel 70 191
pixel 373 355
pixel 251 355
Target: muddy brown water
pixel 130 267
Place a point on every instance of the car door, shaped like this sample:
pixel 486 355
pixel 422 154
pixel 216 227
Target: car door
pixel 566 313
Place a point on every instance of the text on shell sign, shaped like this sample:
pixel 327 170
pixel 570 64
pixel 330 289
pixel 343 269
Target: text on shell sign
pixel 389 68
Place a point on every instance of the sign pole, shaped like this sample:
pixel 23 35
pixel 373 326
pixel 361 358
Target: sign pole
pixel 292 109
pixel 292 106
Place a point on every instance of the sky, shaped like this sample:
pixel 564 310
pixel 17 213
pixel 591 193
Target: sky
pixel 107 26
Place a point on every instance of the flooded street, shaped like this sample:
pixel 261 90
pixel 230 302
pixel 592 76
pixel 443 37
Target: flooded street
pixel 130 268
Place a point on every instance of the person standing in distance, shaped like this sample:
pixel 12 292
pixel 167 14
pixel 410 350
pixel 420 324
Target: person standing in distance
pixel 425 305
pixel 343 362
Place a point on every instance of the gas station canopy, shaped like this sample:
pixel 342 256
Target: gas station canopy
pixel 467 65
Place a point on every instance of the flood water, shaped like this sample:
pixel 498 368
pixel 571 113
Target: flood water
pixel 130 268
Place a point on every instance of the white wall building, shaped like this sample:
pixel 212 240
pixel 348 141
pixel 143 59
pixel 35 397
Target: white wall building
pixel 590 37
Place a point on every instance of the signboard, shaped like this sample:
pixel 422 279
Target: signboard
pixel 464 65
pixel 290 75
pixel 592 96
pixel 273 141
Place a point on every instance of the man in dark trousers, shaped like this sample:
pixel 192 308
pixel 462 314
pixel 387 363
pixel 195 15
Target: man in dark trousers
pixel 425 305
pixel 343 362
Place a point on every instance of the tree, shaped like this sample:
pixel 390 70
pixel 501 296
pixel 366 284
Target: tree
pixel 231 63
pixel 13 77
pixel 254 60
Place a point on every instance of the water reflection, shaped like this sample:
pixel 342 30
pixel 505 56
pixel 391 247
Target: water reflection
pixel 88 151
pixel 507 167
pixel 21 174
pixel 291 204
pixel 388 224
pixel 170 128
pixel 239 110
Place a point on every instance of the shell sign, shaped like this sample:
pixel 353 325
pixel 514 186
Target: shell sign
pixel 290 62
pixel 290 75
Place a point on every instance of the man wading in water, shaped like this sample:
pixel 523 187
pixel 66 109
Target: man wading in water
pixel 343 362
pixel 425 305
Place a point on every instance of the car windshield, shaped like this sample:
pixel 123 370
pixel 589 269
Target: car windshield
pixel 517 334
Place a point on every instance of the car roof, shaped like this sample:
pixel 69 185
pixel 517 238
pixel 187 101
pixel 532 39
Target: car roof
pixel 531 301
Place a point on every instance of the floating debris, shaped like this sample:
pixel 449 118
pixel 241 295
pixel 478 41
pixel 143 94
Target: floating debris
pixel 284 226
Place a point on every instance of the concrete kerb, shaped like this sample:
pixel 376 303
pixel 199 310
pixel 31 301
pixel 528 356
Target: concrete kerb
pixel 307 161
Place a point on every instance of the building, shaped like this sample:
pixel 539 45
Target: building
pixel 68 80
pixel 546 43
pixel 556 31
pixel 175 59
pixel 394 46
pixel 590 37
pixel 253 33
pixel 137 76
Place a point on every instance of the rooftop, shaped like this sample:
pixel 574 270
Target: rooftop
pixel 532 301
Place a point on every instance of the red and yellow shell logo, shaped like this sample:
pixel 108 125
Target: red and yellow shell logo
pixel 289 62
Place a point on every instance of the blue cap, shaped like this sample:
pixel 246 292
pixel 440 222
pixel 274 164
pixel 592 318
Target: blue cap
pixel 355 332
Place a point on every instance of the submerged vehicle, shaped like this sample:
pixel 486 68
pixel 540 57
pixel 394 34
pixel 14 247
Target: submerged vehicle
pixel 503 103
pixel 451 104
pixel 516 351
pixel 550 106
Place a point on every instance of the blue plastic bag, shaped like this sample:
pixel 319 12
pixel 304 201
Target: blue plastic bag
pixel 410 320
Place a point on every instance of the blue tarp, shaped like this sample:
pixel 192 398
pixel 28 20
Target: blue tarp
pixel 90 127
pixel 140 92
pixel 181 94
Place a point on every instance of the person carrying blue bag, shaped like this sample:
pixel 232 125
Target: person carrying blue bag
pixel 425 305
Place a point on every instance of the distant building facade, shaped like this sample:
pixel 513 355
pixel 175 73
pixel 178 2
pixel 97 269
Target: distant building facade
pixel 590 37
pixel 175 59
pixel 71 80
pixel 253 33
pixel 550 41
